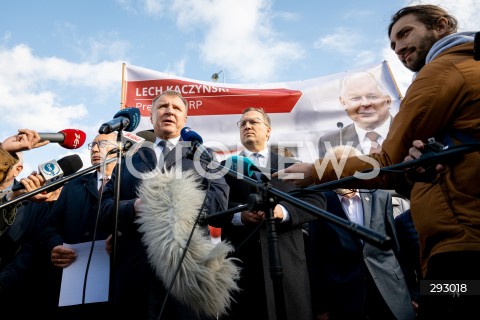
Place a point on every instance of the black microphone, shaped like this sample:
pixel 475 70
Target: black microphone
pixel 188 134
pixel 67 138
pixel 148 135
pixel 340 127
pixel 126 119
pixel 53 170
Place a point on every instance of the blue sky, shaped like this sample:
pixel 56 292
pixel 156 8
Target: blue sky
pixel 61 61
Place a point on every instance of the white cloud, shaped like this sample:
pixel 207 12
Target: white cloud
pixel 31 88
pixel 467 12
pixel 342 41
pixel 238 36
pixel 154 7
pixel 177 68
pixel 348 43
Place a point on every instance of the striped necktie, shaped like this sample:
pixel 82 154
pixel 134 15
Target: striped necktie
pixel 256 158
pixel 375 146
pixel 165 150
pixel 103 183
pixel 256 161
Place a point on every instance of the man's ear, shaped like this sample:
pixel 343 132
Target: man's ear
pixel 18 168
pixel 442 26
pixel 342 102
pixel 388 99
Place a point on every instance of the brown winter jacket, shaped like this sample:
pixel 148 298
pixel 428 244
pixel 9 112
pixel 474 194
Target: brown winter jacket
pixel 443 100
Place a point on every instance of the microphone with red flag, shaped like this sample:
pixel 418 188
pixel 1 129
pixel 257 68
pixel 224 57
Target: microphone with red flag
pixel 68 138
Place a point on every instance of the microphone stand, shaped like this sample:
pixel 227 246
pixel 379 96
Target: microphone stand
pixel 51 186
pixel 430 158
pixel 266 202
pixel 116 201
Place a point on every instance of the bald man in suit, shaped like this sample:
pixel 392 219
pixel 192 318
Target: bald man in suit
pixel 368 104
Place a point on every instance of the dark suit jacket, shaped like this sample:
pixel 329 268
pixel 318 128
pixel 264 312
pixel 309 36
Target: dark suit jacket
pixel 25 274
pixel 74 214
pixel 340 260
pixel 409 252
pixel 349 136
pixel 257 297
pixel 136 288
pixel 73 220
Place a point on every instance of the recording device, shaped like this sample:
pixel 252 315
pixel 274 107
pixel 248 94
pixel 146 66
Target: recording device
pixel 67 138
pixel 53 170
pixel 433 146
pixel 340 127
pixel 126 119
pixel 188 134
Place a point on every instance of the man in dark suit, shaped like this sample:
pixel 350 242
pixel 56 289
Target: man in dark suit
pixel 368 104
pixel 247 232
pixel 136 289
pixel 353 279
pixel 74 220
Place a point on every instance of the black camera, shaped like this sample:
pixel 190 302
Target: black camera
pixel 433 146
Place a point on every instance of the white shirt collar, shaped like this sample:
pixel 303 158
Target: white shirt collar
pixel 264 152
pixel 173 142
pixel 262 158
pixel 382 130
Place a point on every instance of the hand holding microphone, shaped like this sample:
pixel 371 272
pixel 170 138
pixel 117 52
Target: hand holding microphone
pixel 25 139
pixel 49 172
pixel 33 182
pixel 67 138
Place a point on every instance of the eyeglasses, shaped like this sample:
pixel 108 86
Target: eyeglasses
pixel 100 144
pixel 252 122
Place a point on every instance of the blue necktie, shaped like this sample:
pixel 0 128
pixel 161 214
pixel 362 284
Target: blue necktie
pixel 165 150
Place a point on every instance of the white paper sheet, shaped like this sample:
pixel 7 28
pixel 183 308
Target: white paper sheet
pixel 98 275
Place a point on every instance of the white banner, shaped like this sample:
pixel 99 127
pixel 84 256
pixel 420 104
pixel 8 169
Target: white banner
pixel 301 111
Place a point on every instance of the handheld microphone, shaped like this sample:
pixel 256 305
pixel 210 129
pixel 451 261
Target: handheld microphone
pixel 340 127
pixel 126 119
pixel 68 138
pixel 188 134
pixel 52 170
pixel 132 140
pixel 129 140
pixel 148 135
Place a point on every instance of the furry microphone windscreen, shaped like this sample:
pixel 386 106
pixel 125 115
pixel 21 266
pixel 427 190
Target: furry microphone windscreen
pixel 169 207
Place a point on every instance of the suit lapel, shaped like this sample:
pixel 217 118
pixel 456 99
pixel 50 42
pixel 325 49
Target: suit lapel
pixel 91 183
pixel 367 207
pixel 350 135
pixel 334 205
pixel 148 156
pixel 170 159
